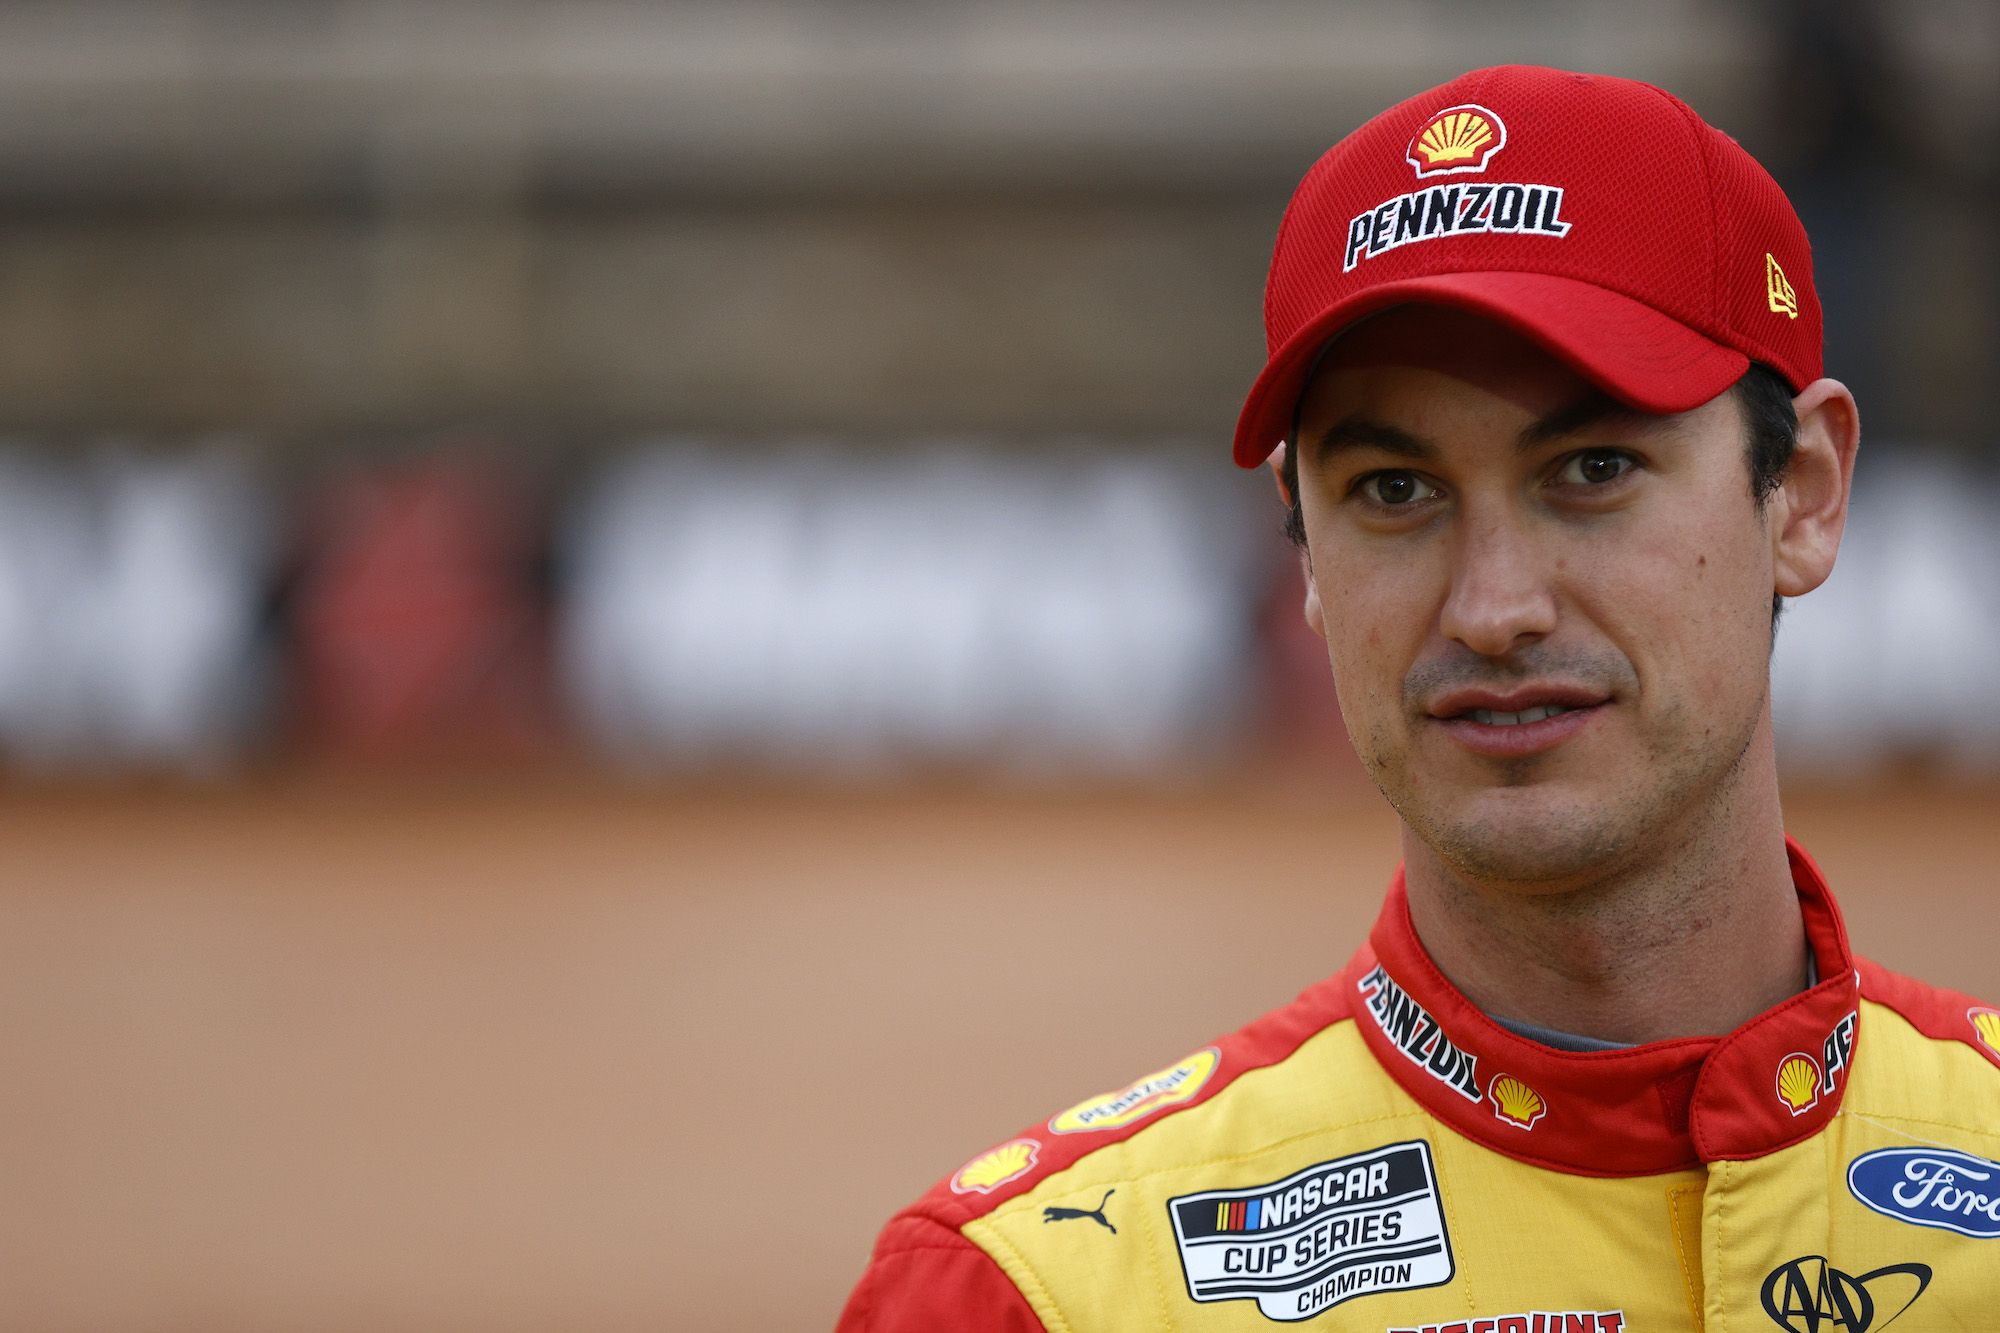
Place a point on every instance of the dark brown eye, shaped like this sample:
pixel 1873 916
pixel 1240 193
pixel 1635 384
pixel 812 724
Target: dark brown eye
pixel 1397 488
pixel 1597 467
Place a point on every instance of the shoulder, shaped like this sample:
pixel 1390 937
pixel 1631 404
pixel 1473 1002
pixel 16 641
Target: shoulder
pixel 1933 1012
pixel 1926 1053
pixel 1236 1090
pixel 926 1276
pixel 1128 1116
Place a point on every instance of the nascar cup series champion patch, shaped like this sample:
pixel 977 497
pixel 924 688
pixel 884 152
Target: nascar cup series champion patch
pixel 1355 1226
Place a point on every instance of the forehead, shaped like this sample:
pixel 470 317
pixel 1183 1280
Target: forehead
pixel 1387 362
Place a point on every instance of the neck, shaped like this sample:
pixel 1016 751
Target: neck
pixel 1693 939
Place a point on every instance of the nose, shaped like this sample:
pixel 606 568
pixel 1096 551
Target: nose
pixel 1500 599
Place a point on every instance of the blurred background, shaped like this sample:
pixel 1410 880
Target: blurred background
pixel 625 631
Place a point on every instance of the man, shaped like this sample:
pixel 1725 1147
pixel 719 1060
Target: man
pixel 1547 351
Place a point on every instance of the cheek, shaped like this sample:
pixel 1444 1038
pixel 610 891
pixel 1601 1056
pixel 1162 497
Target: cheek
pixel 1377 615
pixel 1688 603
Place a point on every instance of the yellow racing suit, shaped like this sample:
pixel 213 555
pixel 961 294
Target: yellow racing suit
pixel 1381 1155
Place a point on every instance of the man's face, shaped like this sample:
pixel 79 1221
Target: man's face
pixel 1548 617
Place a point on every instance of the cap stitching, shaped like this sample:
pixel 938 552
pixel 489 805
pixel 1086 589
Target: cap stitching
pixel 1727 331
pixel 1278 246
pixel 1695 125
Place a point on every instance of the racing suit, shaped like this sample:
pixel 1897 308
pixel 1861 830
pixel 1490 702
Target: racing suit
pixel 1381 1155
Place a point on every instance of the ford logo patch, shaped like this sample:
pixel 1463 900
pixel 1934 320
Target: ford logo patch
pixel 1932 1187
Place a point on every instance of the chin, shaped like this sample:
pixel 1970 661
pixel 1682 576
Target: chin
pixel 1549 835
pixel 1555 822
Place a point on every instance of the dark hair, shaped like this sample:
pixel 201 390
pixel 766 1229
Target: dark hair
pixel 1770 430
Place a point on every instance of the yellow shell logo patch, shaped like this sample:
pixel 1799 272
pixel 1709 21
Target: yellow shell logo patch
pixel 996 1166
pixel 1986 1026
pixel 1778 290
pixel 1459 138
pixel 1516 1102
pixel 1162 1088
pixel 1798 1082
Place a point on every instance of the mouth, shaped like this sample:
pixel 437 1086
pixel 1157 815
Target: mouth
pixel 1493 717
pixel 1519 722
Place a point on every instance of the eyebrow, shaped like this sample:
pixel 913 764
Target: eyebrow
pixel 1593 408
pixel 1357 432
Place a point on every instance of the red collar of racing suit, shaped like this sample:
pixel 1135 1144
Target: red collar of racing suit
pixel 1660 1107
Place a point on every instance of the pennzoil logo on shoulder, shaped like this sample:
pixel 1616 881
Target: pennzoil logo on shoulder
pixel 1412 1030
pixel 1354 1226
pixel 1158 1090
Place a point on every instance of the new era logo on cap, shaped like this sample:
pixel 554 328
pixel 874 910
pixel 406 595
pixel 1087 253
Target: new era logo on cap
pixel 1599 216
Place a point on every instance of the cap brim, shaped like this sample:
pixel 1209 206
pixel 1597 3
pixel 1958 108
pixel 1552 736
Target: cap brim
pixel 1639 356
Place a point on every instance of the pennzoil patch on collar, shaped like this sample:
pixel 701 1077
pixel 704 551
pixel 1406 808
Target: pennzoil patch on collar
pixel 1354 1226
pixel 1419 1036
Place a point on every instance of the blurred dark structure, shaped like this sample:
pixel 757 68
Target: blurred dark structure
pixel 326 221
pixel 317 221
pixel 1881 125
pixel 345 218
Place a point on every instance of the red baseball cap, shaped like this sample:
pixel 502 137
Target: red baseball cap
pixel 1600 217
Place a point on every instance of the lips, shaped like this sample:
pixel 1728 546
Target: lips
pixel 1522 721
pixel 1493 717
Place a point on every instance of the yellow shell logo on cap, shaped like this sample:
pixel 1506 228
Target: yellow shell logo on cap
pixel 1160 1089
pixel 995 1167
pixel 1784 301
pixel 1459 138
pixel 1516 1102
pixel 1454 138
pixel 1986 1024
pixel 1798 1082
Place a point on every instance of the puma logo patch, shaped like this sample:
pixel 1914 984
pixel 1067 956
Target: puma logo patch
pixel 1094 1214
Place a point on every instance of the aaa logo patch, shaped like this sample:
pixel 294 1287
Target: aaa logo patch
pixel 1810 1295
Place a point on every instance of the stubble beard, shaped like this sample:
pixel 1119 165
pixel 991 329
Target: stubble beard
pixel 1534 839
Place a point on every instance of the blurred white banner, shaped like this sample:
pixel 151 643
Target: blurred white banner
pixel 1896 655
pixel 131 592
pixel 808 607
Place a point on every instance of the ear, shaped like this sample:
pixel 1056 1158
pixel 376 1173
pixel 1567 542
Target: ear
pixel 1276 462
pixel 1315 617
pixel 1809 511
